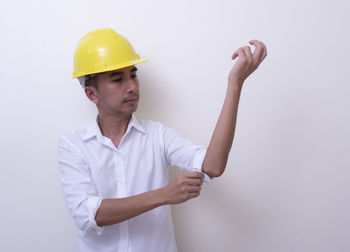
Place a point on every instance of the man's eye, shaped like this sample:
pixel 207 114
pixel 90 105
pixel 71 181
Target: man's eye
pixel 117 80
pixel 133 76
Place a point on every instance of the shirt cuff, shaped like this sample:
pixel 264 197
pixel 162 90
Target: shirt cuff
pixel 92 204
pixel 198 163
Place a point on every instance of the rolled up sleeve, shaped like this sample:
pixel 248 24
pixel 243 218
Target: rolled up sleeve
pixel 183 152
pixel 79 190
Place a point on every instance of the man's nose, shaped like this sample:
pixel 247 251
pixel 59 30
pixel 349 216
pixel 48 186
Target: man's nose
pixel 132 85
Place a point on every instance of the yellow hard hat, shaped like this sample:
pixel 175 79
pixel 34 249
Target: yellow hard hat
pixel 103 50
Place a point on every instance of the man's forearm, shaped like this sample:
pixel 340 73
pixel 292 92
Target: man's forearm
pixel 221 141
pixel 112 211
pixel 185 186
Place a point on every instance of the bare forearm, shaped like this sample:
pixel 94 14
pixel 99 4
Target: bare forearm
pixel 221 141
pixel 185 186
pixel 112 211
pixel 220 144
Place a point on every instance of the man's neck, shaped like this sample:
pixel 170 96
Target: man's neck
pixel 113 127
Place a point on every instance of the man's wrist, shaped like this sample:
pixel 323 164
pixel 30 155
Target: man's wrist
pixel 161 196
pixel 235 85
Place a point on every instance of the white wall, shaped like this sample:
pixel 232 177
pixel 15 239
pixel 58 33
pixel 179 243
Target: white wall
pixel 286 185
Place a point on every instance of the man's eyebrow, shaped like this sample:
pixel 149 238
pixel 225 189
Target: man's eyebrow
pixel 134 69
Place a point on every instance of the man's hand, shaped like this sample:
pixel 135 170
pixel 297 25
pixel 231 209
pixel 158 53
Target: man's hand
pixel 185 186
pixel 247 62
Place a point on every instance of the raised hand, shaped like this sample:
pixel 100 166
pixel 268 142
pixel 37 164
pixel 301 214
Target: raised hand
pixel 247 62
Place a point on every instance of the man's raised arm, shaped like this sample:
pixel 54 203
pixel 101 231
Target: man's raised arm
pixel 221 141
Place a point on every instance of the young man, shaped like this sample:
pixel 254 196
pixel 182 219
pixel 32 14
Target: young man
pixel 114 171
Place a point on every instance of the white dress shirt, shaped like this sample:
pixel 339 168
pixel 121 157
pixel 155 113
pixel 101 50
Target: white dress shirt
pixel 92 168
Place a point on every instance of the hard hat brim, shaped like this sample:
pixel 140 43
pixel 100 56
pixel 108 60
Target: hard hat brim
pixel 111 68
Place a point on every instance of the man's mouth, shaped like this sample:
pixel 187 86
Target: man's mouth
pixel 131 100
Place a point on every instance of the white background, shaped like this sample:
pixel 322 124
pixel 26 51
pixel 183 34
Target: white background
pixel 286 184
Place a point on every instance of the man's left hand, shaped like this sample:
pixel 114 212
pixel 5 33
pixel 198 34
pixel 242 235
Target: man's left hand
pixel 247 62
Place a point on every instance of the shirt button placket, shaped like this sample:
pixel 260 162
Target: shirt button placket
pixel 121 175
pixel 121 188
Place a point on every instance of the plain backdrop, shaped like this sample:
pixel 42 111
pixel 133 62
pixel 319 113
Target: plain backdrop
pixel 286 184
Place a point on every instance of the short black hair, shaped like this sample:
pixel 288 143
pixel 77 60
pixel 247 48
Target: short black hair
pixel 92 82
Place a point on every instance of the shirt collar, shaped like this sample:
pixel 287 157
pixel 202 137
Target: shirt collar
pixel 93 129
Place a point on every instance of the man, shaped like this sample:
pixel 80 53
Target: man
pixel 114 171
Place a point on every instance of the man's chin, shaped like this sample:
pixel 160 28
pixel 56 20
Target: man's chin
pixel 134 108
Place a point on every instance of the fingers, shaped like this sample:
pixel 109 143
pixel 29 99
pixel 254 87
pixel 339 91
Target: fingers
pixel 260 51
pixel 194 181
pixel 193 194
pixel 235 54
pixel 194 174
pixel 239 53
pixel 258 44
pixel 258 55
pixel 194 188
pixel 248 54
pixel 194 178
pixel 185 186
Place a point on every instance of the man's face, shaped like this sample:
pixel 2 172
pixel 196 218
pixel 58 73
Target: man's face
pixel 118 92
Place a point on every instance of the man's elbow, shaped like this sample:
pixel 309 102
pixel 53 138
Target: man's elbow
pixel 214 172
pixel 214 167
pixel 218 173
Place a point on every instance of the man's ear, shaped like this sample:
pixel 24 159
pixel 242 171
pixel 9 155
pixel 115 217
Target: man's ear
pixel 92 94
